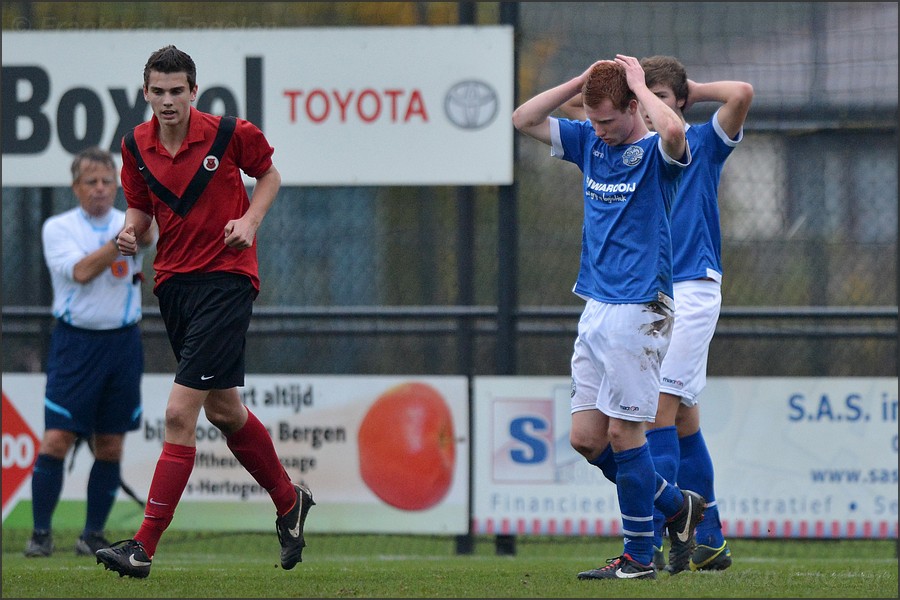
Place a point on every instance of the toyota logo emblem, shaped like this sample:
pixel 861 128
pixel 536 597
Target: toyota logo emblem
pixel 471 104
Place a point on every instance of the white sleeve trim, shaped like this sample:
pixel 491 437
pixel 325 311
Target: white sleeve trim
pixel 556 147
pixel 721 132
pixel 669 159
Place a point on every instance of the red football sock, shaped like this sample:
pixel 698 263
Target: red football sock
pixel 252 446
pixel 173 469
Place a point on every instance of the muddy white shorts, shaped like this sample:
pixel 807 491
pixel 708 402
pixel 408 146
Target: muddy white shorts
pixel 617 358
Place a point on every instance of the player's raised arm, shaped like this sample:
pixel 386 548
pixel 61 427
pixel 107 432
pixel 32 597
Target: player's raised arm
pixel 573 108
pixel 736 97
pixel 533 117
pixel 664 120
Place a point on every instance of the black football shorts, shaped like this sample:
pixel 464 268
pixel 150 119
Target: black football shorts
pixel 207 316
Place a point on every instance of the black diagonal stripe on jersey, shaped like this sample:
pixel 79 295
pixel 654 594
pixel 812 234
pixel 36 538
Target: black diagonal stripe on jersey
pixel 181 205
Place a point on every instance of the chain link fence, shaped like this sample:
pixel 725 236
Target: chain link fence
pixel 407 280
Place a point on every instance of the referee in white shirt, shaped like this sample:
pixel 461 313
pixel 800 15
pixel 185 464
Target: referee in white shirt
pixel 96 356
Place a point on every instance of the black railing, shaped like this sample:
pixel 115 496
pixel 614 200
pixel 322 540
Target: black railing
pixel 764 321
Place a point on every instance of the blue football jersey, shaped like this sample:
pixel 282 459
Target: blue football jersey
pixel 696 231
pixel 626 249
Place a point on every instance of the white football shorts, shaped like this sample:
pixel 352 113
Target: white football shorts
pixel 697 305
pixel 617 358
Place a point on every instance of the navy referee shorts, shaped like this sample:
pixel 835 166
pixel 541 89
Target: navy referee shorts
pixel 94 380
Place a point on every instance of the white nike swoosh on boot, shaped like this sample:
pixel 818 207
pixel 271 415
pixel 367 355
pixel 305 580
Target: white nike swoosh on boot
pixel 137 563
pixel 622 575
pixel 683 536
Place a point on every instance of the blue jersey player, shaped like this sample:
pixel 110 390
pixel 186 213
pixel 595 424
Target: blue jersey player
pixel 676 442
pixel 630 179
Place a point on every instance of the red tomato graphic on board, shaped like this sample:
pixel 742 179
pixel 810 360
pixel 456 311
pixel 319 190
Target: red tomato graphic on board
pixel 407 451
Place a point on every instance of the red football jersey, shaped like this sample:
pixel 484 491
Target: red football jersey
pixel 194 241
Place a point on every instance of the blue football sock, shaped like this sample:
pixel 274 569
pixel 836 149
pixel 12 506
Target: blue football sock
pixel 103 485
pixel 46 486
pixel 665 451
pixel 634 488
pixel 606 462
pixel 695 472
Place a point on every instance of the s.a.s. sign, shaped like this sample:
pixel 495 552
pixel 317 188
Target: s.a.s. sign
pixel 341 106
